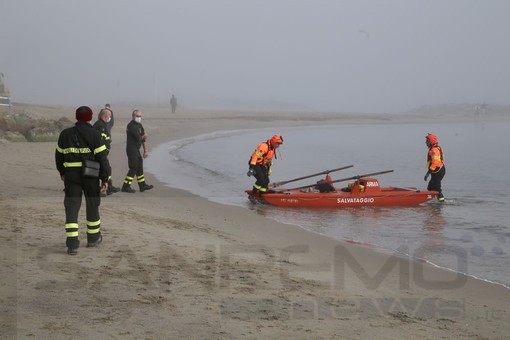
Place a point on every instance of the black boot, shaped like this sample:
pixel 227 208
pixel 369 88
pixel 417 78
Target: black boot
pixel 111 189
pixel 144 186
pixel 127 188
pixel 72 244
pixel 95 243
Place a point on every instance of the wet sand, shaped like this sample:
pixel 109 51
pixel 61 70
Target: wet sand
pixel 174 265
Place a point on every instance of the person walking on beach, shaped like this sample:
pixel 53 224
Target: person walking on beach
pixel 435 165
pixel 136 138
pixel 173 103
pixel 260 163
pixel 75 144
pixel 484 108
pixel 103 118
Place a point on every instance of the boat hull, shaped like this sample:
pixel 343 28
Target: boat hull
pixel 364 192
pixel 342 200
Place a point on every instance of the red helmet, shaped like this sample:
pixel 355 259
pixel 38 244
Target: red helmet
pixel 431 139
pixel 276 139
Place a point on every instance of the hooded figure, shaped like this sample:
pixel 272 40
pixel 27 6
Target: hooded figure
pixel 435 165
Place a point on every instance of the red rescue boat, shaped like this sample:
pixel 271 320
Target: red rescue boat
pixel 365 191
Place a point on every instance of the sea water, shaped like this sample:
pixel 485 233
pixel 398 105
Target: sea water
pixel 468 233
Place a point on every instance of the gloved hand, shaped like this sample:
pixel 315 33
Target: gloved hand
pixel 250 172
pixel 426 176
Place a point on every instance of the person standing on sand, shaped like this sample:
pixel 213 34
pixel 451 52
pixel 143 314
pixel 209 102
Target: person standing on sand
pixel 75 144
pixel 435 165
pixel 484 108
pixel 111 122
pixel 260 163
pixel 103 118
pixel 136 138
pixel 173 103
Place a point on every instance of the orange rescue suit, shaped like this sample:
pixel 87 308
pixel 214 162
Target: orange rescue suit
pixel 435 160
pixel 262 155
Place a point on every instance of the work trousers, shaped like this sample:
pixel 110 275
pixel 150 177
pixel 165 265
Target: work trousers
pixel 261 173
pixel 75 187
pixel 135 163
pixel 435 180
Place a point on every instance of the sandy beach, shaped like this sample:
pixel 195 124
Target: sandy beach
pixel 174 265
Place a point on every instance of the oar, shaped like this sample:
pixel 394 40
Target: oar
pixel 405 189
pixel 345 179
pixel 325 172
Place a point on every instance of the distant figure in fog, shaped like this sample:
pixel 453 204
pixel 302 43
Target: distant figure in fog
pixel 484 108
pixel 477 110
pixel 173 103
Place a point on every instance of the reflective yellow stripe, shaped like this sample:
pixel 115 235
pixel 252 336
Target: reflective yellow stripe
pixel 72 229
pixel 105 136
pixel 72 164
pixel 99 149
pixel 67 151
pixel 258 187
pixel 93 227
pixel 93 224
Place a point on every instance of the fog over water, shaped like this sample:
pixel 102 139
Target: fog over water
pixel 323 55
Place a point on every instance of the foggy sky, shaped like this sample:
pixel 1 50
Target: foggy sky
pixel 330 55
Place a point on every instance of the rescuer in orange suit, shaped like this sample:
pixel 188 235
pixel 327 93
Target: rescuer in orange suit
pixel 435 165
pixel 260 163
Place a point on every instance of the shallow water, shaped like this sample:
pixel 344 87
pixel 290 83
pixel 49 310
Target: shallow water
pixel 467 233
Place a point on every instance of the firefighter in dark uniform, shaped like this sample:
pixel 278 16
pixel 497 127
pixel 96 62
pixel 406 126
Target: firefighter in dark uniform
pixel 136 138
pixel 112 120
pixel 103 119
pixel 74 145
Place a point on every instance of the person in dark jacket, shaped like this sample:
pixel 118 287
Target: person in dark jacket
pixel 76 144
pixel 103 118
pixel 136 138
pixel 173 103
pixel 112 120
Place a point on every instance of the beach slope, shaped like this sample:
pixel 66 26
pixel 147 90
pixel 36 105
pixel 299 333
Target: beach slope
pixel 173 265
